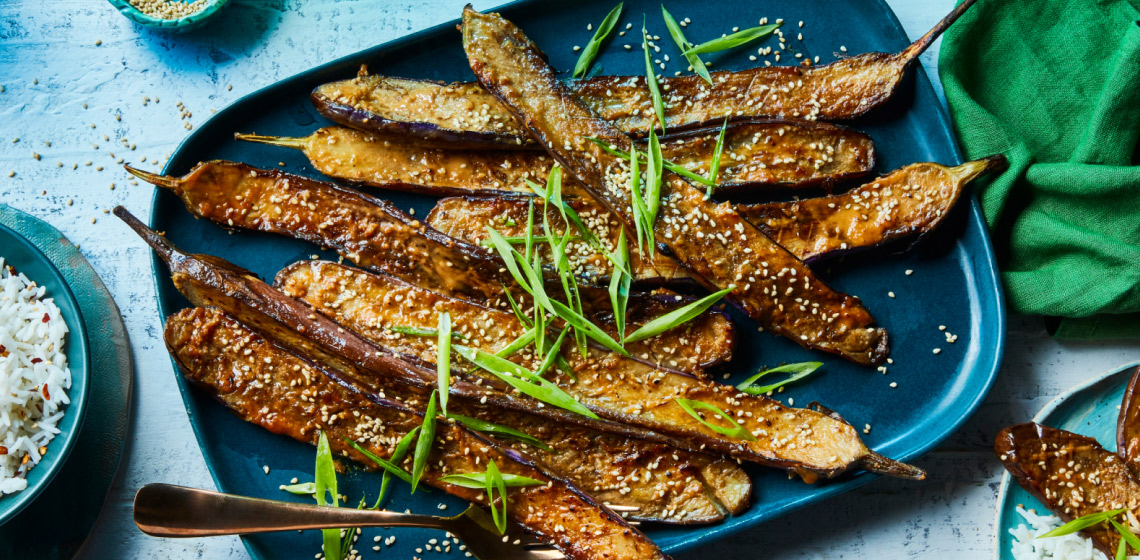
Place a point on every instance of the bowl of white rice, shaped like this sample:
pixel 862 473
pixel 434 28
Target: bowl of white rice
pixel 43 372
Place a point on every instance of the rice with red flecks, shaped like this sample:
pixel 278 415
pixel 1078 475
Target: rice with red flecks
pixel 34 377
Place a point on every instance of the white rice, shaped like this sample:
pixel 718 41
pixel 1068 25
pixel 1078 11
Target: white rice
pixel 34 376
pixel 1026 545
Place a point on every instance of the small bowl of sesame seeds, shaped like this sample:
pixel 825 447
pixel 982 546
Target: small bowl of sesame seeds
pixel 172 15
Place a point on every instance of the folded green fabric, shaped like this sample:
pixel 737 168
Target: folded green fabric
pixel 1055 86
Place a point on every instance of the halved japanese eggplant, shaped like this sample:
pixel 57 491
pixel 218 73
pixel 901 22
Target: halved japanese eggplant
pixel 465 114
pixel 626 390
pixel 376 235
pixel 658 483
pixel 290 395
pixel 712 241
pixel 1128 426
pixel 1072 474
pixel 757 154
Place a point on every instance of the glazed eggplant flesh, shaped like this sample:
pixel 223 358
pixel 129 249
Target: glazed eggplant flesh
pixel 757 155
pixel 906 203
pixel 1128 426
pixel 655 482
pixel 375 235
pixel 625 390
pixel 712 241
pixel 292 396
pixel 1072 474
pixel 466 114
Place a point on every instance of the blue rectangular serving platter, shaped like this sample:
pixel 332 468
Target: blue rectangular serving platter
pixel 954 282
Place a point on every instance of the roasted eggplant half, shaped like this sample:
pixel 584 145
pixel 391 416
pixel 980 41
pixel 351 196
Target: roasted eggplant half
pixel 1072 474
pixel 290 395
pixel 714 242
pixel 651 481
pixel 1128 426
pixel 466 114
pixel 756 155
pixel 376 235
pixel 626 390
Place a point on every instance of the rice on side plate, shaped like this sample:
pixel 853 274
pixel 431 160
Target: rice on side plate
pixel 34 377
pixel 1026 545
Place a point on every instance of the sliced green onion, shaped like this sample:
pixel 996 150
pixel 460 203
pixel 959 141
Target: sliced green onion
pixel 324 485
pixel 684 44
pixel 675 168
pixel 515 309
pixel 443 359
pixel 423 443
pixel 552 353
pixel 796 371
pixel 735 40
pixel 714 167
pixel 521 240
pixel 505 251
pixel 1121 550
pixel 479 480
pixel 651 81
pixel 398 455
pixel 572 217
pixel 517 344
pixel 302 489
pixel 1083 522
pixel 636 203
pixel 652 189
pixel 350 533
pixel 529 238
pixel 524 380
pixel 619 286
pixel 388 466
pixel 591 50
pixel 675 318
pixel 494 481
pixel 736 431
pixel 1126 534
pixel 421 331
pixel 500 430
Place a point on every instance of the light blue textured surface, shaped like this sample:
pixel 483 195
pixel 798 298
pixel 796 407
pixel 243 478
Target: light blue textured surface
pixel 256 42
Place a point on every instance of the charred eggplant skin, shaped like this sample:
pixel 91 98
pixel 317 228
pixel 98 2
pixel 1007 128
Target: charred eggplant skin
pixel 1070 473
pixel 713 241
pixel 292 396
pixel 841 90
pixel 1128 426
pixel 758 155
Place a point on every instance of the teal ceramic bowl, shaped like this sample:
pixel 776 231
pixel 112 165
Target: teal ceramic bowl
pixel 186 23
pixel 29 260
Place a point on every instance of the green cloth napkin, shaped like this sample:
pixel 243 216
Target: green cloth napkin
pixel 1055 86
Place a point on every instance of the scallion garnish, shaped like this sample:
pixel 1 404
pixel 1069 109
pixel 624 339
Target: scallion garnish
pixel 515 309
pixel 421 331
pixel 494 481
pixel 675 168
pixel 398 455
pixel 651 81
pixel 350 533
pixel 524 380
pixel 388 466
pixel 517 344
pixel 443 359
pixel 324 485
pixel 423 443
pixel 736 431
pixel 499 430
pixel 1126 534
pixel 552 353
pixel 591 50
pixel 637 205
pixel 619 286
pixel 714 167
pixel 684 44
pixel 653 172
pixel 302 489
pixel 1083 522
pixel 795 371
pixel 675 318
pixel 735 40
pixel 528 239
pixel 479 480
pixel 570 215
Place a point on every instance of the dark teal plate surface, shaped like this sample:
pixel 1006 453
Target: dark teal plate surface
pixel 1090 409
pixel 31 262
pixel 954 281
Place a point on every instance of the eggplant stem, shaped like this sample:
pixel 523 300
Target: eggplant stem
pixel 283 141
pixel 973 169
pixel 153 178
pixel 156 241
pixel 918 47
pixel 879 464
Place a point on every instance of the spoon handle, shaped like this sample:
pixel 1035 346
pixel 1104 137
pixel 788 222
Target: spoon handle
pixel 165 510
